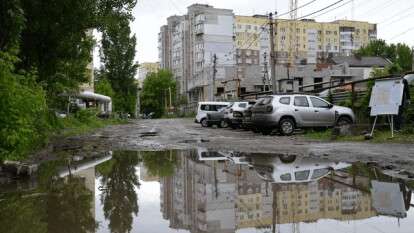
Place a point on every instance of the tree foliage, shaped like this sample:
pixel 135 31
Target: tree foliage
pixel 119 67
pixel 161 164
pixel 45 47
pixel 155 92
pixel 103 87
pixel 399 54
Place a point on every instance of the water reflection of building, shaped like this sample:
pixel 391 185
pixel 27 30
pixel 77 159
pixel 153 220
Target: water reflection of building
pixel 85 170
pixel 213 196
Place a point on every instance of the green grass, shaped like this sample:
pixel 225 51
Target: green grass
pixel 380 136
pixel 73 126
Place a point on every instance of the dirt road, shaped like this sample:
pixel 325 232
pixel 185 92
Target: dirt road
pixel 184 134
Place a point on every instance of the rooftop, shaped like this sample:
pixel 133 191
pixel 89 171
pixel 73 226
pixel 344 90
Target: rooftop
pixel 354 61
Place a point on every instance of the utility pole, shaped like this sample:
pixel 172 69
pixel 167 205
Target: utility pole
pixel 169 90
pixel 265 71
pixel 214 76
pixel 272 53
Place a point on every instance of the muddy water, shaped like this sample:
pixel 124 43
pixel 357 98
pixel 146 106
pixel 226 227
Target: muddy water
pixel 205 191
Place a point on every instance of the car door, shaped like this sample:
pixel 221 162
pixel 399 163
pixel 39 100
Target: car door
pixel 324 114
pixel 304 114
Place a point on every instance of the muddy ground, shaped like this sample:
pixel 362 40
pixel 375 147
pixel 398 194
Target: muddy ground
pixel 165 134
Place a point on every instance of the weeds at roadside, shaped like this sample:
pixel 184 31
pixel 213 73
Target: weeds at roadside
pixel 380 136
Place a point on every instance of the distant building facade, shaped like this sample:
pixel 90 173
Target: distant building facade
pixel 188 43
pixel 144 69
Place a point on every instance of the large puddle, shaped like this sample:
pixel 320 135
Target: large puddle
pixel 204 191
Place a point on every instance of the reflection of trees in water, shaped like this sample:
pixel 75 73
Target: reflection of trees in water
pixel 160 163
pixel 55 206
pixel 118 197
pixel 69 207
pixel 21 214
pixel 63 207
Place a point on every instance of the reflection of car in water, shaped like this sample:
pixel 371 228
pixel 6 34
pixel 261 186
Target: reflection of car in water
pixel 207 155
pixel 280 168
pixel 292 168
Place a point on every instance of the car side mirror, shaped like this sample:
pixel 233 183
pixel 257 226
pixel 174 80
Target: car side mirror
pixel 330 106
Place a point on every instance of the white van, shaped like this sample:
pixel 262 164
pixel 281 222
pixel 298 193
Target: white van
pixel 208 107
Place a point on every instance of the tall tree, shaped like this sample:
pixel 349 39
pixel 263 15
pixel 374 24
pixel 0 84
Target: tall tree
pixel 119 67
pixel 155 92
pixel 55 42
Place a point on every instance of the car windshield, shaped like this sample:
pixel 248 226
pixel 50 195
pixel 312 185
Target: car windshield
pixel 265 100
pixel 318 173
pixel 302 175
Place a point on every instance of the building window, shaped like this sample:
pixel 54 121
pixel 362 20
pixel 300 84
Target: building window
pixel 220 90
pixel 316 81
pixel 248 27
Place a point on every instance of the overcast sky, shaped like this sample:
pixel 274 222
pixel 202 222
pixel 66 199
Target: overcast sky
pixel 394 17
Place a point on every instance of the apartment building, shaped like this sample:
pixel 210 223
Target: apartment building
pixel 188 43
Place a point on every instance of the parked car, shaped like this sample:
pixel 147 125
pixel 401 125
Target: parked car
pixel 208 107
pixel 217 118
pixel 288 112
pixel 236 119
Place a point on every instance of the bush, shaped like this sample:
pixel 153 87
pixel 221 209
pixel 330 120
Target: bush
pixel 24 116
pixel 86 115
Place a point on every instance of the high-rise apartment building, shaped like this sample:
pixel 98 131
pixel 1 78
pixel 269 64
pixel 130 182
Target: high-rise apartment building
pixel 188 43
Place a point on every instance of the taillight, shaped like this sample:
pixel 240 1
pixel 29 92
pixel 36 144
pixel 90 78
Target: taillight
pixel 269 109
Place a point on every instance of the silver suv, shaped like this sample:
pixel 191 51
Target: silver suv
pixel 288 112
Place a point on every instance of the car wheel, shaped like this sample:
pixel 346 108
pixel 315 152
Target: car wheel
pixel 223 124
pixel 287 126
pixel 344 120
pixel 204 122
pixel 287 158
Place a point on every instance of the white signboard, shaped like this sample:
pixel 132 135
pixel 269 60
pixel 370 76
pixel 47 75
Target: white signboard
pixel 386 97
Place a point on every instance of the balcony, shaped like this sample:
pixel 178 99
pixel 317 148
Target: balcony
pixel 199 30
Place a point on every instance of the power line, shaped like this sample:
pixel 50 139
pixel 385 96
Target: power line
pixel 323 13
pixel 375 10
pixel 327 7
pixel 299 7
pixel 397 14
pixel 175 6
pixel 402 33
pixel 397 19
